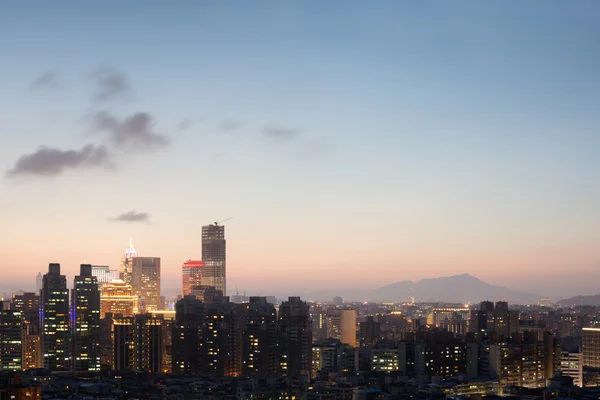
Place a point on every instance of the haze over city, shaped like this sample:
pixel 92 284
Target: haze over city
pixel 405 141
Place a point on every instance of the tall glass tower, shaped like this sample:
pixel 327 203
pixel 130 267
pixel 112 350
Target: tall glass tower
pixel 213 257
pixel 86 321
pixel 54 306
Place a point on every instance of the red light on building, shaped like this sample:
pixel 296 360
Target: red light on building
pixel 191 276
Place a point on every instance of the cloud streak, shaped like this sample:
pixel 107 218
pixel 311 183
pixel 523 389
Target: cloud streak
pixel 231 125
pixel 133 132
pixel 110 84
pixel 132 217
pixel 48 80
pixel 47 161
pixel 280 133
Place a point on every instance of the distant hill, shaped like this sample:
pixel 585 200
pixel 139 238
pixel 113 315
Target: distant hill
pixel 463 289
pixel 581 301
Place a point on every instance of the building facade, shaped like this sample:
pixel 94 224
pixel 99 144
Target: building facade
pixel 145 280
pixel 86 321
pixel 11 344
pixel 214 257
pixel 54 300
pixel 104 274
pixel 126 263
pixel 191 276
pixel 117 298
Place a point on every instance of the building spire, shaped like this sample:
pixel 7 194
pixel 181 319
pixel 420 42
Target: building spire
pixel 130 242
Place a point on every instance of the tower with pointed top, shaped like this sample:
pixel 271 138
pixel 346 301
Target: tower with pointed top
pixel 127 263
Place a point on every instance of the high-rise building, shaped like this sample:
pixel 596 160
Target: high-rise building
pixel 39 279
pixel 118 298
pixel 259 339
pixel 54 304
pixel 86 321
pixel 295 335
pixel 104 274
pixel 28 304
pixel 11 345
pixel 571 364
pixel 32 347
pixel 214 257
pixel 370 331
pixel 126 263
pixel 145 280
pixel 341 325
pixel 191 272
pixel 591 347
pixel 138 343
pixel 189 314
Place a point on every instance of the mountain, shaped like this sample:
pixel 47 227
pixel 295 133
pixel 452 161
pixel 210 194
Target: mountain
pixel 463 289
pixel 581 301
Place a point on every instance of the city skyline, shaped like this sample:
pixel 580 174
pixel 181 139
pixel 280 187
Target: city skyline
pixel 410 141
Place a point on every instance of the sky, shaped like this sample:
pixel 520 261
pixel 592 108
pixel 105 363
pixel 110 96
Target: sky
pixel 353 144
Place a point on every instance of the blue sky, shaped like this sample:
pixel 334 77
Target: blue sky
pixel 416 138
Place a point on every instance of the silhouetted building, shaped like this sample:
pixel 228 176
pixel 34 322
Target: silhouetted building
pixel 11 345
pixel 189 316
pixel 137 343
pixel 145 280
pixel 259 339
pixel 370 331
pixel 191 276
pixel 214 257
pixel 86 321
pixel 295 330
pixel 54 304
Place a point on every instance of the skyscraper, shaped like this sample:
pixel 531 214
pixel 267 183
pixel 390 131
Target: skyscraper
pixel 126 263
pixel 145 280
pixel 38 283
pixel 295 329
pixel 213 257
pixel 54 304
pixel 259 339
pixel 138 343
pixel 118 298
pixel 11 346
pixel 341 325
pixel 191 272
pixel 86 321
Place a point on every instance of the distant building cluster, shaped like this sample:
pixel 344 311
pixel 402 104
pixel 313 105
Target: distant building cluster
pixel 116 327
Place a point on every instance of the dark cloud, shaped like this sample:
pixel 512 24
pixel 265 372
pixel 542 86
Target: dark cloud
pixel 111 84
pixel 280 133
pixel 134 132
pixel 188 123
pixel 231 125
pixel 132 216
pixel 47 161
pixel 48 80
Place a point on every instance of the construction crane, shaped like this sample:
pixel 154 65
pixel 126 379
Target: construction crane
pixel 221 221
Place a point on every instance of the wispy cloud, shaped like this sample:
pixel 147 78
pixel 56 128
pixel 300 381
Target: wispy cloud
pixel 280 133
pixel 188 123
pixel 48 161
pixel 134 132
pixel 132 216
pixel 48 80
pixel 110 84
pixel 230 125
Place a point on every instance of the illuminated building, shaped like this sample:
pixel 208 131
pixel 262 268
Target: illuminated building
pixel 118 298
pixel 54 302
pixel 214 257
pixel 341 324
pixel 384 358
pixel 571 364
pixel 332 356
pixel 32 348
pixel 137 343
pixel 145 280
pixel 440 314
pixel 518 364
pixel 295 335
pixel 11 344
pixel 191 272
pixel 591 347
pixel 126 263
pixel 104 274
pixel 86 321
pixel 29 305
pixel 259 339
